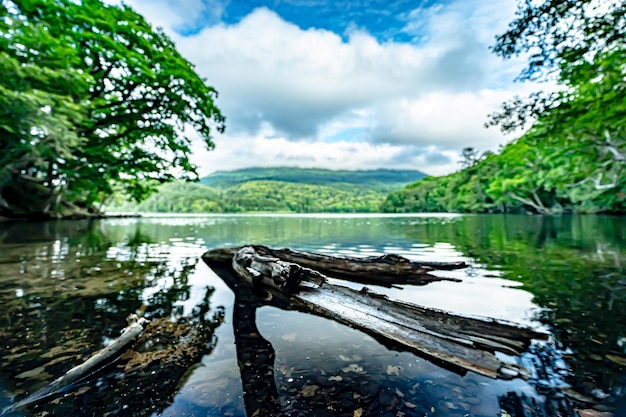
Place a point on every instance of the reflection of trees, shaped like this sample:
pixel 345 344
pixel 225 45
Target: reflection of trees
pixel 255 356
pixel 150 374
pixel 312 392
pixel 574 267
pixel 77 288
pixel 65 288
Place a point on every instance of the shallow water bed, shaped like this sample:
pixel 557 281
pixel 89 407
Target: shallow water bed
pixel 66 288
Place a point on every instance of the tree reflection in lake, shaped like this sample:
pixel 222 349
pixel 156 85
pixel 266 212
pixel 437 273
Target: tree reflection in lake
pixel 66 287
pixel 362 393
pixel 576 269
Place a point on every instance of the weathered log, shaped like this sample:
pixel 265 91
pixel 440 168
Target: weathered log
pixel 385 270
pixel 434 333
pixel 97 361
pixel 464 343
pixel 283 276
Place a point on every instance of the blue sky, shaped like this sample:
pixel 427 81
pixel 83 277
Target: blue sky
pixel 347 84
pixel 385 20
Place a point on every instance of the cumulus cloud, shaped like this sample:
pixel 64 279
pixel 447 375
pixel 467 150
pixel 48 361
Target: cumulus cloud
pixel 450 120
pixel 269 70
pixel 266 148
pixel 307 97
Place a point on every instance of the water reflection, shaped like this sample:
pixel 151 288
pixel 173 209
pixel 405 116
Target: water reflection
pixel 66 287
pixel 255 357
pixel 575 269
pixel 343 383
pixel 352 386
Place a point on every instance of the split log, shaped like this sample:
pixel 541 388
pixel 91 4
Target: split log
pixel 432 333
pixel 386 270
pixel 284 276
pixel 97 361
pixel 461 342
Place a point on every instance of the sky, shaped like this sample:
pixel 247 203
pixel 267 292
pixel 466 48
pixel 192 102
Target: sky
pixel 346 84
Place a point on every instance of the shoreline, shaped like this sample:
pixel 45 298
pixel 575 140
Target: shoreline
pixel 4 219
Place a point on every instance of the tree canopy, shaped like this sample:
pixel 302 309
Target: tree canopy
pixel 92 101
pixel 573 157
pixel 571 41
pixel 582 43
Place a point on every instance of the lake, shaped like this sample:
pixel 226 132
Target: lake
pixel 66 288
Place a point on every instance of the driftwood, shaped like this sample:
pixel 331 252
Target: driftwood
pixel 97 361
pixel 460 342
pixel 385 270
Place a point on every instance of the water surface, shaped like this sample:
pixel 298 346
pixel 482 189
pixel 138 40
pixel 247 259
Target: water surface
pixel 66 288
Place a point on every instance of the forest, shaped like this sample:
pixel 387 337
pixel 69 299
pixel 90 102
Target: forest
pixel 572 157
pixel 96 107
pixel 93 102
pixel 527 176
pixel 380 179
pixel 286 190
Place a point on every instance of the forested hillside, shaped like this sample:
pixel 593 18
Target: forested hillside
pixel 294 190
pixel 380 179
pixel 573 157
pixel 527 176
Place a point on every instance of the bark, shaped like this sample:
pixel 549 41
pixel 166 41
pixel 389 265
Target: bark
pixel 21 198
pixel 386 270
pixel 97 361
pixel 537 205
pixel 460 342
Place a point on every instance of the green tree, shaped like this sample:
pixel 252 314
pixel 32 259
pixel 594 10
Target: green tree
pixel 470 157
pixel 573 157
pixel 92 100
pixel 580 43
pixel 563 39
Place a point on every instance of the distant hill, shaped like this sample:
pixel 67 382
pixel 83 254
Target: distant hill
pixel 380 179
pixel 286 190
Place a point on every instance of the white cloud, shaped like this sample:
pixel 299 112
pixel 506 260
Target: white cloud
pixel 267 148
pixel 288 94
pixel 268 70
pixel 450 120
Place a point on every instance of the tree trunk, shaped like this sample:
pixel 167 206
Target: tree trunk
pixel 386 270
pixel 100 359
pixel 460 342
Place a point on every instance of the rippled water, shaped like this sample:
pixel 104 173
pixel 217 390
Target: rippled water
pixel 66 288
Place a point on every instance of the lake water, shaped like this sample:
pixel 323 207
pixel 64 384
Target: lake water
pixel 66 288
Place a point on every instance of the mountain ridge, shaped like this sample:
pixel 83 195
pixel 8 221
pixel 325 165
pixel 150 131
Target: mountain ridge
pixel 277 189
pixel 380 179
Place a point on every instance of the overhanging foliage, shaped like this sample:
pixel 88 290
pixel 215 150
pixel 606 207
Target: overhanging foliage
pixel 92 100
